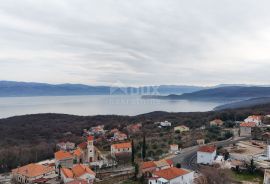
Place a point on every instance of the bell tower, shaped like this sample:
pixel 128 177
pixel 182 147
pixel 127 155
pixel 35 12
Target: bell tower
pixel 90 149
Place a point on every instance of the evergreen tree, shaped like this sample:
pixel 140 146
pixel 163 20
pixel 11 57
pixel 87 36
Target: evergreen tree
pixel 133 152
pixel 144 148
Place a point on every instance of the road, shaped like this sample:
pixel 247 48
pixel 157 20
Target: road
pixel 188 156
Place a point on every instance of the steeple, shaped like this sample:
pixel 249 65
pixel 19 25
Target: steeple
pixel 90 149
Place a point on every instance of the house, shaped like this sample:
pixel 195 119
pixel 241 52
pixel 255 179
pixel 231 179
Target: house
pixel 216 122
pixel 181 128
pixel 114 130
pixel 165 124
pixel 63 159
pixel 254 118
pixel 66 146
pixel 266 179
pixel 174 148
pixel 78 171
pixel 134 128
pixel 31 172
pixel 200 141
pixel 172 175
pixel 97 130
pixel 121 148
pixel 246 128
pixel 147 168
pixel 206 154
pixel 119 136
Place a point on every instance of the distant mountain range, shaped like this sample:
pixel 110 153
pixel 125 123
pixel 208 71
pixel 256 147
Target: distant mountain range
pixel 19 89
pixel 229 93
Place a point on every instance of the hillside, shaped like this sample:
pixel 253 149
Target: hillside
pixel 30 138
pixel 245 103
pixel 229 93
pixel 12 89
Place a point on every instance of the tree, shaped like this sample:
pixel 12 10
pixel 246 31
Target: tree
pixel 136 169
pixel 226 155
pixel 133 152
pixel 213 175
pixel 177 131
pixel 144 148
pixel 251 167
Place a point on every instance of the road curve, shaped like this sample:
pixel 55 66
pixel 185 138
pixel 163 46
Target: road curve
pixel 188 156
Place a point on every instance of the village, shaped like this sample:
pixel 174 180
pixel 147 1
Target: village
pixel 173 153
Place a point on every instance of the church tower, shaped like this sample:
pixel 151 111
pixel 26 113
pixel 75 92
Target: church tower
pixel 90 149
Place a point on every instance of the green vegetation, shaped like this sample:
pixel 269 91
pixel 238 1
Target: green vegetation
pixel 256 177
pixel 31 138
pixel 144 148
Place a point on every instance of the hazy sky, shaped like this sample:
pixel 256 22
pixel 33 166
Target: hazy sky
pixel 135 42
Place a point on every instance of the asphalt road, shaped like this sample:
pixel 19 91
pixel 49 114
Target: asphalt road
pixel 188 156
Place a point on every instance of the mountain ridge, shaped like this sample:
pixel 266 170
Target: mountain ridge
pixel 228 93
pixel 20 89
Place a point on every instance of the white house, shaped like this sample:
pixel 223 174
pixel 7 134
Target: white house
pixel 181 128
pixel 255 119
pixel 165 124
pixel 216 122
pixel 78 171
pixel 206 154
pixel 63 159
pixel 121 148
pixel 119 136
pixel 172 175
pixel 246 128
pixel 174 148
pixel 31 172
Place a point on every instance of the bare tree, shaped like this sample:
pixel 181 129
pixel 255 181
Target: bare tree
pixel 214 175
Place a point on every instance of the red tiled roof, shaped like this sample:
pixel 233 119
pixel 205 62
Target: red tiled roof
pixel 67 172
pixel 249 124
pixel 169 161
pixel 77 152
pixel 149 164
pixel 60 155
pixel 170 173
pixel 80 170
pixel 32 170
pixel 83 145
pixel 90 138
pixel 257 117
pixel 208 149
pixel 122 145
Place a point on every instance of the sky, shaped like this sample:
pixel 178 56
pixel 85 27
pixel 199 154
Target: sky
pixel 131 42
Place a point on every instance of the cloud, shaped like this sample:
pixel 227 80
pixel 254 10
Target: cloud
pixel 135 42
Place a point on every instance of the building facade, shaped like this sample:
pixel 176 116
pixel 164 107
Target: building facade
pixel 172 176
pixel 181 128
pixel 78 171
pixel 121 148
pixel 63 159
pixel 254 118
pixel 246 128
pixel 31 172
pixel 206 155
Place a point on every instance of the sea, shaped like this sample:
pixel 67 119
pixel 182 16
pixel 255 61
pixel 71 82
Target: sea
pixel 97 105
